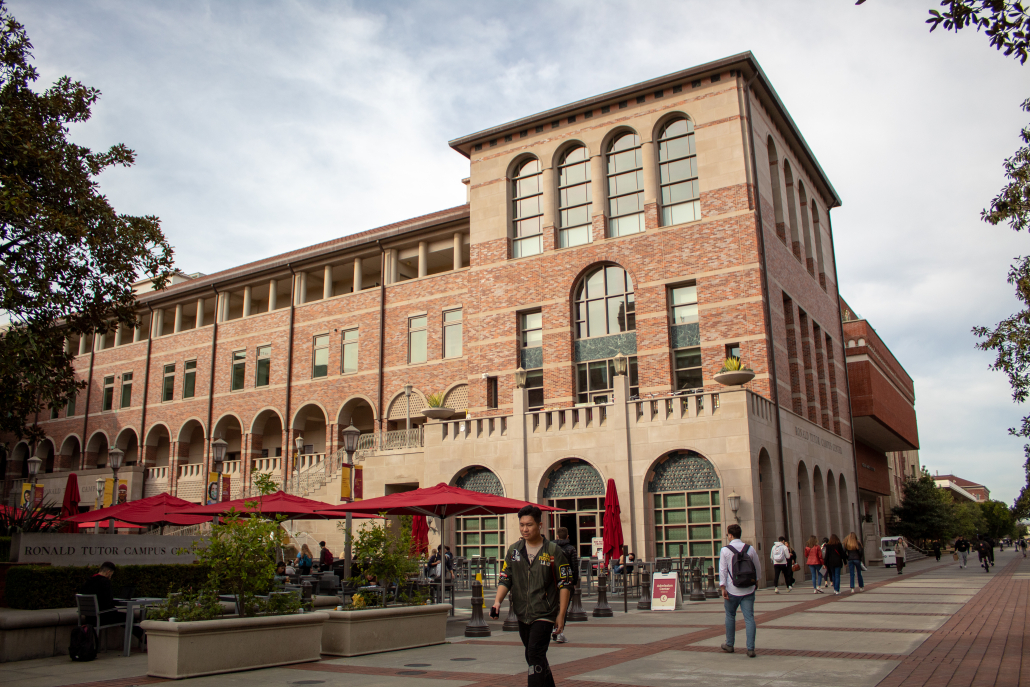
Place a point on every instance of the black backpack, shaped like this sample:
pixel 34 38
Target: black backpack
pixel 742 568
pixel 84 643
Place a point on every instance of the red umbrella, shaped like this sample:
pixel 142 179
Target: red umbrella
pixel 612 524
pixel 161 509
pixel 440 501
pixel 70 506
pixel 118 524
pixel 419 535
pixel 279 503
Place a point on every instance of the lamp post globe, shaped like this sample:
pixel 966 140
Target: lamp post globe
pixel 34 464
pixel 620 363
pixel 351 435
pixel 218 448
pixel 520 377
pixel 733 501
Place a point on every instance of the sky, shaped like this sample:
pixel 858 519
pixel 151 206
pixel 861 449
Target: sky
pixel 262 127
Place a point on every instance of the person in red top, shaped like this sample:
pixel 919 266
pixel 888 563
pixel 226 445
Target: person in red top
pixel 325 558
pixel 814 560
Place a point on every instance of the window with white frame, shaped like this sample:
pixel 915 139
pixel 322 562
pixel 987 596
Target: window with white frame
pixel 320 356
pixel 349 351
pixel 108 392
pixel 126 390
pixel 605 303
pixel 452 332
pixel 677 172
pixel 189 378
pixel 527 209
pixel 574 198
pixel 168 383
pixel 239 370
pixel 263 368
pixel 417 339
pixel 625 186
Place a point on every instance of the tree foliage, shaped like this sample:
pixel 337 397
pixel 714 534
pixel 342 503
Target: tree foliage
pixel 998 519
pixel 383 552
pixel 69 260
pixel 241 556
pixel 926 512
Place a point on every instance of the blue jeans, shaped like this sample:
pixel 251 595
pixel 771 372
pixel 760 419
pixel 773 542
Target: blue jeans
pixel 856 567
pixel 817 575
pixel 834 575
pixel 747 605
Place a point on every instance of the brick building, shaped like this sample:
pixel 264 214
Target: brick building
pixel 884 417
pixel 963 489
pixel 673 222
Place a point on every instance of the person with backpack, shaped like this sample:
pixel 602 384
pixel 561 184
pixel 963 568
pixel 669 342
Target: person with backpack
pixel 834 557
pixel 304 560
pixel 780 556
pixel 325 558
pixel 739 571
pixel 962 549
pixel 814 561
pixel 569 549
pixel 855 555
pixel 983 553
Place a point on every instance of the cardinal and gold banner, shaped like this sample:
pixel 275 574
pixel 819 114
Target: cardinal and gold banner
pixel 351 475
pixel 30 497
pixel 112 498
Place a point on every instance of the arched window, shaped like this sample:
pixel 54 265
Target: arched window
pixel 605 306
pixel 687 511
pixel 574 197
pixel 527 209
pixel 625 186
pixel 577 487
pixel 480 536
pixel 792 210
pixel 777 193
pixel 677 170
pixel 818 245
pixel 806 229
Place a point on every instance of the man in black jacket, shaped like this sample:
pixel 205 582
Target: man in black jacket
pixel 569 549
pixel 99 585
pixel 962 549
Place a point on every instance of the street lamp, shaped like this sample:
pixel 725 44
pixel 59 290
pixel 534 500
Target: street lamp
pixel 100 503
pixel 407 398
pixel 520 377
pixel 351 435
pixel 733 501
pixel 298 441
pixel 620 363
pixel 33 466
pixel 218 447
pixel 114 461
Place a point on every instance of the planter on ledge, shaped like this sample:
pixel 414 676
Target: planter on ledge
pixel 229 645
pixel 438 413
pixel 373 630
pixel 735 377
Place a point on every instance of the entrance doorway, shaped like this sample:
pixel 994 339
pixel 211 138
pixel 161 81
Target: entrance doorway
pixel 576 486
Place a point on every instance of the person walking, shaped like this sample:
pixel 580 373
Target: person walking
pixel 740 568
pixel 569 549
pixel 826 578
pixel 899 554
pixel 304 560
pixel 814 561
pixel 990 549
pixel 937 550
pixel 325 558
pixel 855 554
pixel 834 557
pixel 982 552
pixel 962 549
pixel 792 565
pixel 780 556
pixel 539 578
pixel 1022 545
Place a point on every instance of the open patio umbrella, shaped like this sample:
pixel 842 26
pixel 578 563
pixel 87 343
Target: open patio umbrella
pixel 419 535
pixel 280 503
pixel 612 524
pixel 160 509
pixel 441 501
pixel 118 525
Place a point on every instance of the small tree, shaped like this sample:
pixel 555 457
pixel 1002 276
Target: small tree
pixel 241 554
pixel 384 553
pixel 926 512
pixel 998 519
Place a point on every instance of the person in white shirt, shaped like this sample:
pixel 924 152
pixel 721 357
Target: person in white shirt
pixel 780 556
pixel 735 596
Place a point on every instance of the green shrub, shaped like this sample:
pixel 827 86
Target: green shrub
pixel 32 587
pixel 5 549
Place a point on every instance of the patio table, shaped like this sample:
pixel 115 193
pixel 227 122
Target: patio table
pixel 130 605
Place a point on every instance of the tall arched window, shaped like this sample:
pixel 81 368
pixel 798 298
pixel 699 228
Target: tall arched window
pixel 777 193
pixel 527 209
pixel 574 197
pixel 677 168
pixel 806 229
pixel 625 185
pixel 605 306
pixel 818 245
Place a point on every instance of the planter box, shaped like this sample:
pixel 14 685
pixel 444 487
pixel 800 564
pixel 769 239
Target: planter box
pixel 209 647
pixel 371 631
pixel 735 378
pixel 438 413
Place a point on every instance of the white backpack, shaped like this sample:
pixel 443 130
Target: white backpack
pixel 779 553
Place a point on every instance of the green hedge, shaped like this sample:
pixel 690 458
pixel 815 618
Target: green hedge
pixel 32 587
pixel 5 549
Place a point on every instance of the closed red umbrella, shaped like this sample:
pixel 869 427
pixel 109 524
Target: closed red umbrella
pixel 70 506
pixel 419 535
pixel 612 524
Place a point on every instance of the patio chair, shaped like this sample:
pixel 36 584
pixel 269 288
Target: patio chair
pixel 328 584
pixel 89 614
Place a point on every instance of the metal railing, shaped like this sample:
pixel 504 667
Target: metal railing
pixel 390 441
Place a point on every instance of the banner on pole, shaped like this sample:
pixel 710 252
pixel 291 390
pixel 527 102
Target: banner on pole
pixel 115 495
pixel 359 483
pixel 30 497
pixel 226 483
pixel 211 492
pixel 345 483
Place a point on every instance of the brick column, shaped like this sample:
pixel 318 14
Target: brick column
pixel 89 459
pixel 249 452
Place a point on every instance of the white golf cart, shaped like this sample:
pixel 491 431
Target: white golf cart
pixel 887 550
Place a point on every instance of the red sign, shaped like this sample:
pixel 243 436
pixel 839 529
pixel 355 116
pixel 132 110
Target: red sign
pixel 359 483
pixel 663 592
pixel 226 494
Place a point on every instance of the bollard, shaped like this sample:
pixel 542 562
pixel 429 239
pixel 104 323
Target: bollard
pixel 645 592
pixel 576 613
pixel 711 592
pixel 602 609
pixel 696 593
pixel 477 626
pixel 511 623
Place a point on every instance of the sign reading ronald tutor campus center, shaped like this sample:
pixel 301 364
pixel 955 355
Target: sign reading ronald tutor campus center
pixel 94 549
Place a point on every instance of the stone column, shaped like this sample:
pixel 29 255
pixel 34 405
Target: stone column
pixel 395 266
pixel 518 428
pixel 423 258
pixel 68 345
pixel 84 344
pixel 200 313
pixel 98 341
pixel 118 336
pixel 327 282
pixel 358 276
pixel 178 318
pixel 650 183
pixel 300 293
pixel 598 195
pixel 458 241
pixel 248 295
pixel 273 285
pixel 137 332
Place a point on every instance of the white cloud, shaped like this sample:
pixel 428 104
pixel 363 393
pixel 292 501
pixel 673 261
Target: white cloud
pixel 265 126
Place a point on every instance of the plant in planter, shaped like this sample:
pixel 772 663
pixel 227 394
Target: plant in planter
pixel 382 555
pixel 734 372
pixel 436 409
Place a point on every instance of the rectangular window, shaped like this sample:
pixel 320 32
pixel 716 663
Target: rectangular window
pixel 687 366
pixel 320 356
pixel 535 385
pixel 683 301
pixel 491 392
pixel 349 352
pixel 595 381
pixel 53 412
pixel 126 390
pixel 168 389
pixel 264 366
pixel 733 350
pixel 532 330
pixel 239 369
pixel 189 378
pixel 108 392
pixel 452 333
pixel 417 339
pixel 70 408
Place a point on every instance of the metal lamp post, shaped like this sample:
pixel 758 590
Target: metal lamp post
pixel 218 448
pixel 33 465
pixel 620 363
pixel 350 446
pixel 520 378
pixel 100 503
pixel 298 441
pixel 114 461
pixel 407 399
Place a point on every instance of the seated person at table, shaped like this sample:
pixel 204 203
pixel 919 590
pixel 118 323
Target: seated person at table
pixel 99 585
pixel 280 572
